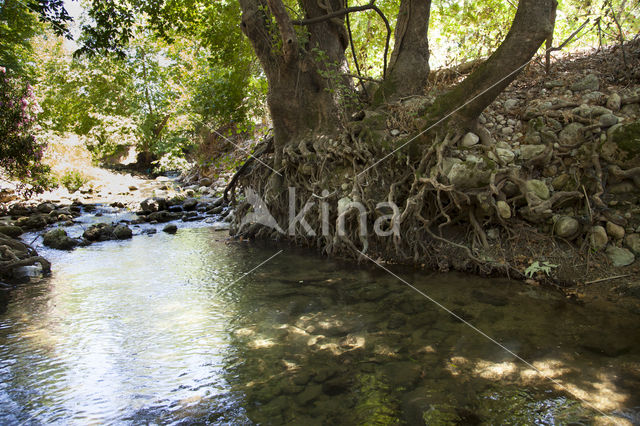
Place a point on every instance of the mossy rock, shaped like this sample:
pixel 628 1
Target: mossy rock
pixel 623 145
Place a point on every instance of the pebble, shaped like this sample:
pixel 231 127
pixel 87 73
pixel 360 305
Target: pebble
pixel 615 231
pixel 470 139
pixel 608 120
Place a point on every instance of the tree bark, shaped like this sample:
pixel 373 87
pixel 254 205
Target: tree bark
pixel 531 26
pixel 299 98
pixel 408 72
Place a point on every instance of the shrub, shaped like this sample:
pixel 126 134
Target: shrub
pixel 73 180
pixel 20 151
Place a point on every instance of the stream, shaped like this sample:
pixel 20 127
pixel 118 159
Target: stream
pixel 189 328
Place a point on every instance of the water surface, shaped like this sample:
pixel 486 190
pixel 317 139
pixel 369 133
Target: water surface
pixel 172 330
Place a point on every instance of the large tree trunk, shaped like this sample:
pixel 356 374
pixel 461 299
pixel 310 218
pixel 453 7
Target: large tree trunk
pixel 299 98
pixel 408 71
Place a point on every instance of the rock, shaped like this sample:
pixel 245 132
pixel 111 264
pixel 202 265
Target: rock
pixel 309 394
pixel 396 320
pixel 163 216
pixel 395 132
pixel 190 204
pixel 493 233
pixel 608 120
pixel 205 182
pixel 632 241
pixel 609 344
pixel 470 139
pixel 45 208
pixel 510 104
pixel 571 134
pixel 220 226
pixel 99 232
pixel 122 232
pixel 503 209
pixel 614 102
pixel 33 222
pixel 508 131
pixel 11 231
pixel 620 256
pixel 567 227
pixel 527 152
pixel 615 231
pixel 505 155
pixel 170 229
pixel 553 83
pixel 154 204
pixel 402 373
pixel 539 188
pixel 58 239
pixel 598 238
pixel 623 145
pixel 590 82
pixel 465 175
pixel 133 188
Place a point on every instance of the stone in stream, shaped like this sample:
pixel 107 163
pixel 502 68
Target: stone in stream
pixel 190 204
pixel 11 231
pixel 163 216
pixel 154 204
pixel 310 393
pixel 34 222
pixel 122 232
pixel 46 207
pixel 170 229
pixel 58 239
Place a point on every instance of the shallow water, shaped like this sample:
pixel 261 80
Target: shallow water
pixel 182 329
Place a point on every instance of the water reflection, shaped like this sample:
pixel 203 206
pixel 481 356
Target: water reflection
pixel 159 329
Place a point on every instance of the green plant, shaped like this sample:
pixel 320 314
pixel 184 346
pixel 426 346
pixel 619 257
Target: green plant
pixel 536 267
pixel 73 180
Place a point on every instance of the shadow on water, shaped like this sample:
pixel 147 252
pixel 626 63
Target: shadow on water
pixel 168 329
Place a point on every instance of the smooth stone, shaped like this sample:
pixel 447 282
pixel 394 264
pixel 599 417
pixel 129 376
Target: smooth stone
pixel 566 227
pixel 122 232
pixel 615 231
pixel 620 256
pixel 503 209
pixel 598 238
pixel 510 104
pixel 470 139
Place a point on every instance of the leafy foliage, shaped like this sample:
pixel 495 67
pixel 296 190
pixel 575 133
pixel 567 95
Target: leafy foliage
pixel 20 151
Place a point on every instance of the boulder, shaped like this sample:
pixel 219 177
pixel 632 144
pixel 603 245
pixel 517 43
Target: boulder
pixel 205 181
pixel 37 221
pixel 46 208
pixel 154 204
pixel 163 216
pixel 11 231
pixel 590 83
pixel 122 232
pixel 58 239
pixel 190 204
pixel 99 232
pixel 620 256
pixel 598 238
pixel 170 229
pixel 567 227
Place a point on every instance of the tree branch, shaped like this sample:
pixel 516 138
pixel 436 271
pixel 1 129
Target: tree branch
pixel 287 33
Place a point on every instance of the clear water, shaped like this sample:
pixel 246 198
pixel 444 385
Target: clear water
pixel 168 329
